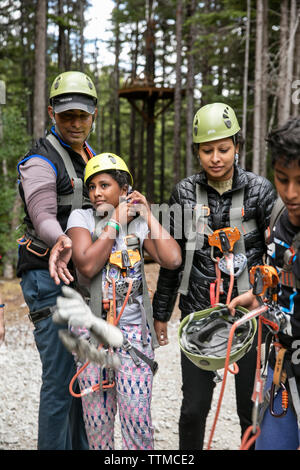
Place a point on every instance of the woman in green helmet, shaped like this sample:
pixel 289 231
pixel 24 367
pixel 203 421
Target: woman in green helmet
pixel 221 197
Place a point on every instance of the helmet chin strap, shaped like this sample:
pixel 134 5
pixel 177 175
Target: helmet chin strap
pixel 92 128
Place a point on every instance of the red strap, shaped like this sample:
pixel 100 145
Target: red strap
pixel 212 293
pixel 88 151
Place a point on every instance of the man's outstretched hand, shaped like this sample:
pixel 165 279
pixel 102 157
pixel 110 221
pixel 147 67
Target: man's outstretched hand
pixel 60 256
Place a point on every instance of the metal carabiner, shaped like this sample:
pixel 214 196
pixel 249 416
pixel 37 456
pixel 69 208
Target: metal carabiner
pixel 284 401
pixel 255 411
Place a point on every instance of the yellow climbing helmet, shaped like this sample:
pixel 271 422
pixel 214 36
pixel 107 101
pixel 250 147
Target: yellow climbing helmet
pixel 104 162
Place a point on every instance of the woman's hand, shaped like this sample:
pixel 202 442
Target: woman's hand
pixel 161 329
pixel 247 300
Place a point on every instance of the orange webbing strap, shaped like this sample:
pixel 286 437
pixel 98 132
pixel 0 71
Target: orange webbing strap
pixel 253 431
pixel 248 317
pixel 229 259
pixel 215 286
pixel 279 375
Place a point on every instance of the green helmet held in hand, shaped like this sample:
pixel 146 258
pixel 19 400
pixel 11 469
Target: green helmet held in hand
pixel 73 90
pixel 203 337
pixel 213 122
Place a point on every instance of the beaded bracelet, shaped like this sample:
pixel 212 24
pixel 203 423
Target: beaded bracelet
pixel 2 305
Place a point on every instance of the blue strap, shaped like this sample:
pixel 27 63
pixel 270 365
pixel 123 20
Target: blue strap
pixel 37 156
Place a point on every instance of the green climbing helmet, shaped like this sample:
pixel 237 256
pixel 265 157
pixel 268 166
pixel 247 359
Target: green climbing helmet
pixel 203 337
pixel 214 122
pixel 73 90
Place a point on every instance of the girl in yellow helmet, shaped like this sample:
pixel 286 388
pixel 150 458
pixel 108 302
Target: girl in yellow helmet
pixel 119 224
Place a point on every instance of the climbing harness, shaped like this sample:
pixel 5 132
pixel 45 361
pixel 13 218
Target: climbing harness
pixel 121 287
pixel 286 276
pixel 231 264
pixel 199 331
pixel 260 280
pixel 76 200
pixel 264 280
pixel 229 241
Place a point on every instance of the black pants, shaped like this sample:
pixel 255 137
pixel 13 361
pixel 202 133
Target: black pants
pixel 197 388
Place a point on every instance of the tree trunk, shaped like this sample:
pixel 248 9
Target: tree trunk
pixel 150 103
pixel 257 87
pixel 140 172
pixel 117 85
pixel 39 99
pixel 132 145
pixel 150 148
pixel 296 83
pixel 282 61
pixel 264 93
pixel 177 95
pixel 293 25
pixel 163 118
pixel 245 87
pixel 190 87
pixel 81 7
pixel 61 45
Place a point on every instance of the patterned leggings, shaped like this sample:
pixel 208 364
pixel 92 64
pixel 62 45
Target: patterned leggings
pixel 131 394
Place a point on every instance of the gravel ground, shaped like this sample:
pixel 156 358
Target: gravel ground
pixel 20 372
pixel 20 380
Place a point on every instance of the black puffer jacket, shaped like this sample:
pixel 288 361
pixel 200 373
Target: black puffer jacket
pixel 259 196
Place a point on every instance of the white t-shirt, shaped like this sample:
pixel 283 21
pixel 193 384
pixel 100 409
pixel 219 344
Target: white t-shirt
pixel 84 218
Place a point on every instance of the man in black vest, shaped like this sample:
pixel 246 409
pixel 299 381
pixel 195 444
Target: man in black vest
pixel 51 186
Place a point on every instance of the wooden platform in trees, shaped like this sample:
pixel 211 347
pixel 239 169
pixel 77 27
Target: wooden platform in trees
pixel 147 93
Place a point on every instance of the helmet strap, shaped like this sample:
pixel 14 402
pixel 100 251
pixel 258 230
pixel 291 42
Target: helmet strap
pixel 92 128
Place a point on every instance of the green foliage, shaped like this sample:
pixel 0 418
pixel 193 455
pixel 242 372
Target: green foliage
pixel 218 51
pixel 13 147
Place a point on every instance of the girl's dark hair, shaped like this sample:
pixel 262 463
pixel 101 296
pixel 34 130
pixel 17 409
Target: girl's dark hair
pixel 120 176
pixel 284 143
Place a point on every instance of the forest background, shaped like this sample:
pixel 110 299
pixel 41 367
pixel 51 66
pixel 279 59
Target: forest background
pixel 170 58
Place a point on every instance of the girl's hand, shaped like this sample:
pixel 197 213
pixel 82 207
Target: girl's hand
pixel 121 214
pixel 138 204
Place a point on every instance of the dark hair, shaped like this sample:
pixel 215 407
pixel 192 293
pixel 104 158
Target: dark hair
pixel 237 139
pixel 284 143
pixel 120 176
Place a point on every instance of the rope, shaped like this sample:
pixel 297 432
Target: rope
pixel 115 322
pixel 249 316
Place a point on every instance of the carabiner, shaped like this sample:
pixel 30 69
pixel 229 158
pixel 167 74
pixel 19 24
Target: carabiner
pixel 284 401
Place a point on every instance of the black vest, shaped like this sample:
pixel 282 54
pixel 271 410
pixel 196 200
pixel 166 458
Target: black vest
pixel 43 149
